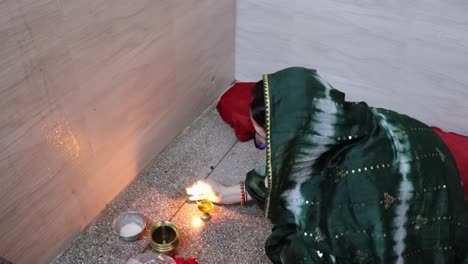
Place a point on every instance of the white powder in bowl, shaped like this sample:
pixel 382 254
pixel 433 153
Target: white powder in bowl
pixel 130 229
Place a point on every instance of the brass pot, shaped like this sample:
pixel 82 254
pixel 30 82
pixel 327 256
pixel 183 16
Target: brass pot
pixel 164 237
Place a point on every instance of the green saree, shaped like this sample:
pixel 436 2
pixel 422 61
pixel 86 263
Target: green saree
pixel 348 183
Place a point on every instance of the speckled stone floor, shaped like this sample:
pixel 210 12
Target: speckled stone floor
pixel 207 148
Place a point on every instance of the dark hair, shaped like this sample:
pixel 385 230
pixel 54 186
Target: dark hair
pixel 257 107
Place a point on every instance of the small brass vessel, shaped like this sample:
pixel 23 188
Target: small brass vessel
pixel 205 207
pixel 164 237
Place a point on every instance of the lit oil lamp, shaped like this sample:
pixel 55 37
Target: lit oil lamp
pixel 200 192
pixel 205 207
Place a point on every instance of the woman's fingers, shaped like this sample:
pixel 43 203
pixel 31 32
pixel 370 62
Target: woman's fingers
pixel 194 189
pixel 198 191
pixel 202 190
pixel 198 188
pixel 191 191
pixel 197 198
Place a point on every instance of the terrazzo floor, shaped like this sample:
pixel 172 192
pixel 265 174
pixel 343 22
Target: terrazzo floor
pixel 208 148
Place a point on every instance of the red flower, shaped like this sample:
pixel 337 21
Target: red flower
pixel 172 255
pixel 191 261
pixel 180 260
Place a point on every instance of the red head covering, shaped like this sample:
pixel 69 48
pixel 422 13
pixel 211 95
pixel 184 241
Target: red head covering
pixel 234 108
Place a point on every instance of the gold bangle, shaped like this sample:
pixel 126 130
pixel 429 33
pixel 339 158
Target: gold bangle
pixel 242 193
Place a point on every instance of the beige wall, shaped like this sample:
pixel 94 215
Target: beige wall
pixel 410 56
pixel 90 91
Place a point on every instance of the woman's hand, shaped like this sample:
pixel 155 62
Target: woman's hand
pixel 213 191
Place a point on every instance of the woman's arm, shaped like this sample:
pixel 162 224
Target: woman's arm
pixel 232 195
pixel 216 192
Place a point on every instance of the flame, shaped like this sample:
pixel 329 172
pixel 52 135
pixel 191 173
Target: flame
pixel 202 191
pixel 197 189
